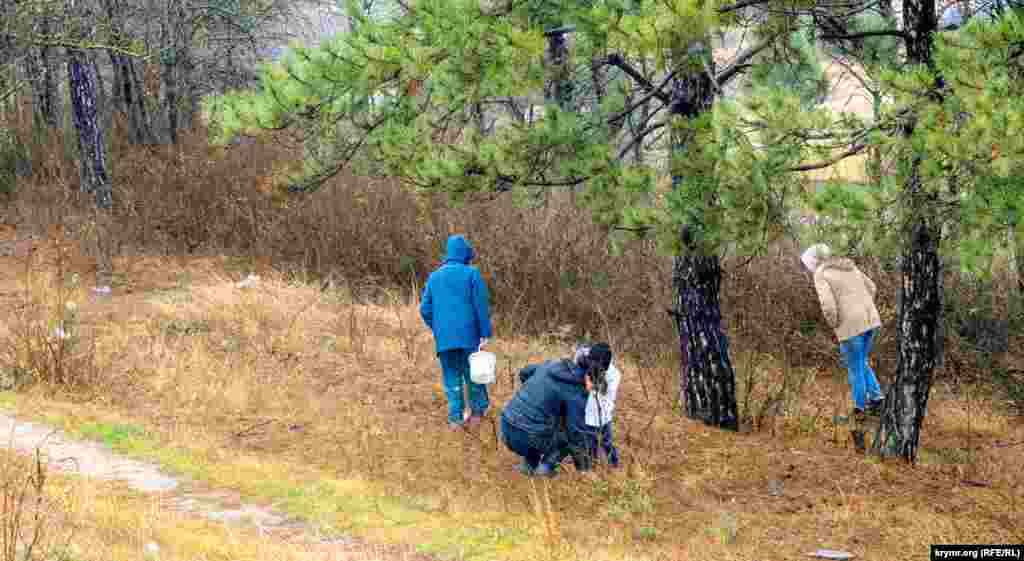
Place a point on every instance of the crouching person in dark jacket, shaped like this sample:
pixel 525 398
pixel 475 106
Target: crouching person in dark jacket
pixel 596 359
pixel 548 414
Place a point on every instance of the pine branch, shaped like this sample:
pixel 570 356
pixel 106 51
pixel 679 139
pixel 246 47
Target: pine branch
pixel 639 137
pixel 741 61
pixel 853 151
pixel 741 5
pixel 615 59
pixel 639 103
pixel 4 96
pixel 865 34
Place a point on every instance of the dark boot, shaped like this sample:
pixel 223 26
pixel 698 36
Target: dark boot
pixel 858 441
pixel 858 420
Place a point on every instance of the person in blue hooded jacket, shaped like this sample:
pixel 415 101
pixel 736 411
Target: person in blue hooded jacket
pixel 455 306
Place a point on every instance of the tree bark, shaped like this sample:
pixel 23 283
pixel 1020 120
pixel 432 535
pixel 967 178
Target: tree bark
pixel 559 86
pixel 599 77
pixel 188 71
pixel 920 307
pixel 920 345
pixel 41 64
pixel 1017 243
pixel 90 134
pixel 102 99
pixel 171 55
pixel 708 386
pixel 707 379
pixel 128 95
pixel 131 99
pixel 84 106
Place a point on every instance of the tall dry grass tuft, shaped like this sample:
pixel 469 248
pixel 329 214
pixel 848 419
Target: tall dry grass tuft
pixel 30 526
pixel 45 341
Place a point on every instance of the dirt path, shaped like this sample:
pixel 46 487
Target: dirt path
pixel 191 498
pixel 63 453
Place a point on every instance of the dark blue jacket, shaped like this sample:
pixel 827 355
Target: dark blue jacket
pixel 551 393
pixel 455 303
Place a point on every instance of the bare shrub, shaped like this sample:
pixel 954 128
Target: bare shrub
pixel 45 341
pixel 29 524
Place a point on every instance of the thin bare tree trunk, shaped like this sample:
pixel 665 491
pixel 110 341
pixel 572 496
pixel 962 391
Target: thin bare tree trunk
pixel 128 95
pixel 190 80
pixel 131 94
pixel 170 58
pixel 42 71
pixel 102 99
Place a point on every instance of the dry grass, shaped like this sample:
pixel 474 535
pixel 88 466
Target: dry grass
pixel 91 520
pixel 323 374
pixel 29 519
pixel 284 387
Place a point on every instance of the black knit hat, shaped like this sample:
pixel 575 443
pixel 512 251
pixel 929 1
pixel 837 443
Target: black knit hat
pixel 599 356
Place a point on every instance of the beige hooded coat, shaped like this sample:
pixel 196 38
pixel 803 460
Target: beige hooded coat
pixel 847 297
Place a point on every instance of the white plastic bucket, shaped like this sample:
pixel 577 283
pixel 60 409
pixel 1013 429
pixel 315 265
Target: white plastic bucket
pixel 481 367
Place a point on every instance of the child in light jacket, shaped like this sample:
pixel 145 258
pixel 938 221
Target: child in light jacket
pixel 600 411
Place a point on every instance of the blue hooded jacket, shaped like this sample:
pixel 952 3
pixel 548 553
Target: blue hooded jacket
pixel 455 303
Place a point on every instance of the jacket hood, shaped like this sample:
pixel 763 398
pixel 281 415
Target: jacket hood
pixel 459 250
pixel 839 263
pixel 571 373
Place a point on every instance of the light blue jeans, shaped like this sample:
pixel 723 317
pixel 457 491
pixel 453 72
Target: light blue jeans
pixel 455 371
pixel 863 383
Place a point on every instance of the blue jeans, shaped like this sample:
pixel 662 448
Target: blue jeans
pixel 519 441
pixel 608 446
pixel 863 383
pixel 455 371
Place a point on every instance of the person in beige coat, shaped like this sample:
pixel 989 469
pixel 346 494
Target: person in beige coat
pixel 847 298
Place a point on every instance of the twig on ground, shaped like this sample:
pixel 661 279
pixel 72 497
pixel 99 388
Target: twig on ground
pixel 251 429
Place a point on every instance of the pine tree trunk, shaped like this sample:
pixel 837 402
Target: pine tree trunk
pixel 920 345
pixel 131 99
pixel 189 80
pixel 82 84
pixel 707 380
pixel 638 147
pixel 1018 257
pixel 128 95
pixel 103 108
pixel 194 99
pixel 920 307
pixel 559 86
pixel 170 60
pixel 170 99
pixel 708 386
pixel 599 77
pixel 85 110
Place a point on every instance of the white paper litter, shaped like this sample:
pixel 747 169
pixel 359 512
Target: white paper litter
pixel 831 554
pixel 248 282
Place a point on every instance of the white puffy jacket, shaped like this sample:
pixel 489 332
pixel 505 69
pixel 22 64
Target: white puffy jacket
pixel 601 407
